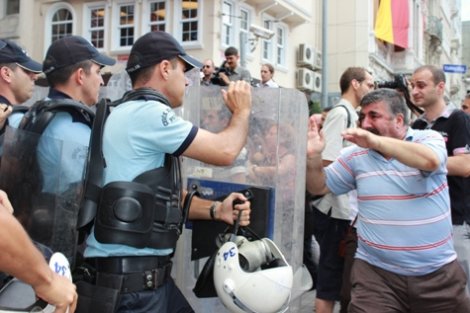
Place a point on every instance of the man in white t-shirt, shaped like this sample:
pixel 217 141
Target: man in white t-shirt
pixel 267 73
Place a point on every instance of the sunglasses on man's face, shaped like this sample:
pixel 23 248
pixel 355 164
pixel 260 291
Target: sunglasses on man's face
pixel 464 107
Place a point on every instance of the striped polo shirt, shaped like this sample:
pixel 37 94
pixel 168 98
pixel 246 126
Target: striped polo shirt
pixel 404 223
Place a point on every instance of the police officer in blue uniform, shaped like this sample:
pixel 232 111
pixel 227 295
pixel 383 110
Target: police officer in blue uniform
pixel 139 217
pixel 18 72
pixel 48 145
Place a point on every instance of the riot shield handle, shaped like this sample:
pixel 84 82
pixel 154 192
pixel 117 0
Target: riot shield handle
pixel 187 203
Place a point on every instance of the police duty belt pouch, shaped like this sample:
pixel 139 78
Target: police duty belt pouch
pixel 204 287
pixel 96 299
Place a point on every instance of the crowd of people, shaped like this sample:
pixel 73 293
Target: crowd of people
pixel 388 189
pixel 426 89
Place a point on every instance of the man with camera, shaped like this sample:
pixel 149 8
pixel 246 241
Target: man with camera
pixel 230 70
pixel 401 84
pixel 428 88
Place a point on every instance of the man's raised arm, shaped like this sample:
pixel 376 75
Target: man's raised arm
pixel 316 179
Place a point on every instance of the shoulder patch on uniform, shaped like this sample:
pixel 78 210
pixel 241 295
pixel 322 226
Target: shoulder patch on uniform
pixel 168 116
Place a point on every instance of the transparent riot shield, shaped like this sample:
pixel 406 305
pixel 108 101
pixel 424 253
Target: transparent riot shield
pixel 43 179
pixel 271 165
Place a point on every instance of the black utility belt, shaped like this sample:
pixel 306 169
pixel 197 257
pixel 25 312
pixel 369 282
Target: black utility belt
pixel 131 264
pixel 132 274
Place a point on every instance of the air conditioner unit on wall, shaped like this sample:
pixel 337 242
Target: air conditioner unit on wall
pixel 317 81
pixel 304 79
pixel 305 55
pixel 317 60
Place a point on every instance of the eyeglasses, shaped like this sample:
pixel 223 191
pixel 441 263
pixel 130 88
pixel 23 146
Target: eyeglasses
pixel 464 107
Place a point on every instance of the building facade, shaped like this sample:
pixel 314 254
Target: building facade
pixel 434 32
pixel 285 33
pixel 265 31
pixel 466 52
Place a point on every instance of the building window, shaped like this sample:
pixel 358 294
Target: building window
pixel 62 23
pixel 245 25
pixel 126 24
pixel 244 20
pixel 267 43
pixel 59 21
pixel 227 23
pixel 280 46
pixel 95 25
pixel 157 15
pixel 274 50
pixel 13 7
pixel 189 20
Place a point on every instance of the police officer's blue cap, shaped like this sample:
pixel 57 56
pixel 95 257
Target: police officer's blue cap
pixel 10 52
pixel 154 47
pixel 71 50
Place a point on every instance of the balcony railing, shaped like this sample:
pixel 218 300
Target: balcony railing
pixel 287 11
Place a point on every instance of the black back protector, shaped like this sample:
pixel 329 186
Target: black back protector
pixel 48 217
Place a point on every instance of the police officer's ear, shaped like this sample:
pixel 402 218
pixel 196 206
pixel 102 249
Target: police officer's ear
pixel 5 73
pixel 79 76
pixel 165 66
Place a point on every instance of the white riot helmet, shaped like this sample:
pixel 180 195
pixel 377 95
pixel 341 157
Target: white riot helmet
pixel 252 276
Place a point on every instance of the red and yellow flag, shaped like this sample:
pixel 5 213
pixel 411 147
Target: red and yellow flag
pixel 392 22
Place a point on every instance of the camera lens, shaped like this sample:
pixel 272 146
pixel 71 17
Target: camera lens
pixel 387 84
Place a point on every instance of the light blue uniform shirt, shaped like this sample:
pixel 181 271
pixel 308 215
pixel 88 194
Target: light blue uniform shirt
pixel 15 118
pixel 136 137
pixel 62 153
